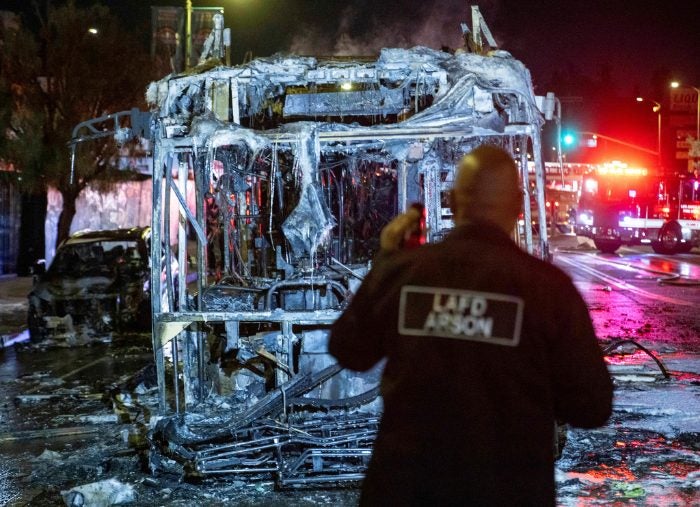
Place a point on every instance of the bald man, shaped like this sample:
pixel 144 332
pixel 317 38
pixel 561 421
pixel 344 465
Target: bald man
pixel 486 348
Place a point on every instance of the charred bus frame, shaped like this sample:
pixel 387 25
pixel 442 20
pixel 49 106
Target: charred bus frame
pixel 291 192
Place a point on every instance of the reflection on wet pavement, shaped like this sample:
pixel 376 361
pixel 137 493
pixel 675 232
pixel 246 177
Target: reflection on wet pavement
pixel 62 426
pixel 635 466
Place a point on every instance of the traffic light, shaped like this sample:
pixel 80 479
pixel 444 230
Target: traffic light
pixel 568 139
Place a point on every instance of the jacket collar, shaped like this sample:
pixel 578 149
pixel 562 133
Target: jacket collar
pixel 481 230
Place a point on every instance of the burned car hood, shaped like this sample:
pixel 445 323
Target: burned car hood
pixel 67 288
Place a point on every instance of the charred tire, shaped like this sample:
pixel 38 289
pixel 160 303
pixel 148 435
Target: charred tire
pixel 669 241
pixel 608 246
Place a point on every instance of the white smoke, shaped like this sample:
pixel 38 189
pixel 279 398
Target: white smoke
pixel 439 26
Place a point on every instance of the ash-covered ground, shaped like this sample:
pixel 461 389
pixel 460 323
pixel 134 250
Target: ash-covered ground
pixel 73 417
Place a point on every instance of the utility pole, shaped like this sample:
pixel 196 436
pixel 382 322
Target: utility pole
pixel 188 32
pixel 657 110
pixel 472 38
pixel 697 121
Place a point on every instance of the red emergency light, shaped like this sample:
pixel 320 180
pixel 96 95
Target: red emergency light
pixel 622 170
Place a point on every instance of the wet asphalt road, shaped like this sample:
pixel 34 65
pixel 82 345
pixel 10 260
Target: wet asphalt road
pixel 59 429
pixel 647 454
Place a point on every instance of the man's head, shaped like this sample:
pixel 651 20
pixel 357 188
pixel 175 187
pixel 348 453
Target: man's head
pixel 487 187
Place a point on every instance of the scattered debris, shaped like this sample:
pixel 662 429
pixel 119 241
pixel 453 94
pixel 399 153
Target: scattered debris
pixel 99 494
pixel 299 203
pixel 99 418
pixel 48 433
pixel 49 455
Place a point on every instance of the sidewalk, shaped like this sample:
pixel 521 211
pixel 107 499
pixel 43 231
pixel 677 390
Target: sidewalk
pixel 13 302
pixel 14 289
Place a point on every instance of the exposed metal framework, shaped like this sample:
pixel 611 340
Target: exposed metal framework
pixel 271 182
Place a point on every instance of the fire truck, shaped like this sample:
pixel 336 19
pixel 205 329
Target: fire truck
pixel 622 205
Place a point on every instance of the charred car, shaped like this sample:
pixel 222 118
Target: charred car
pixel 98 283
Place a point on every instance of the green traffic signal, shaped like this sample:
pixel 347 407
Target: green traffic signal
pixel 568 139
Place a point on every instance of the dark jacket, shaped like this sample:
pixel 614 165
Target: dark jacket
pixel 486 347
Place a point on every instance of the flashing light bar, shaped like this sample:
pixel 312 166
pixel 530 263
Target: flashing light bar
pixel 619 168
pixel 590 185
pixel 585 218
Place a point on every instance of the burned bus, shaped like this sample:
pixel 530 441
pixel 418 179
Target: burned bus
pixel 295 164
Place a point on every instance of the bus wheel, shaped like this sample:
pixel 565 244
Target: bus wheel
pixel 608 246
pixel 669 241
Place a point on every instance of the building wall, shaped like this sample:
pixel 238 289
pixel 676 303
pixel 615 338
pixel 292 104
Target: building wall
pixel 9 226
pixel 130 204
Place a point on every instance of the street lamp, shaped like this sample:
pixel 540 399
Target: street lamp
pixel 657 110
pixel 676 84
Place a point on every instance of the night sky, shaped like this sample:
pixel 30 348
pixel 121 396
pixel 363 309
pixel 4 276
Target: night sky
pixel 633 41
